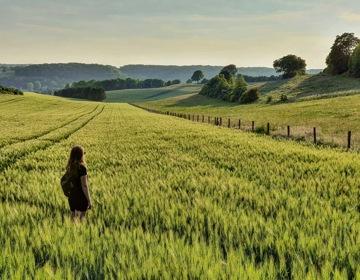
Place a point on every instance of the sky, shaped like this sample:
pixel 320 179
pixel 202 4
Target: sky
pixel 247 33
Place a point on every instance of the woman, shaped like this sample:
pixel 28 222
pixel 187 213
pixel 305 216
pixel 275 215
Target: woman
pixel 79 200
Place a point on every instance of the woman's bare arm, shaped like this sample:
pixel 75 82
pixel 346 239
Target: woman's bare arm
pixel 85 188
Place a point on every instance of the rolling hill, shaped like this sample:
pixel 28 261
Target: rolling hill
pixel 56 75
pixel 171 72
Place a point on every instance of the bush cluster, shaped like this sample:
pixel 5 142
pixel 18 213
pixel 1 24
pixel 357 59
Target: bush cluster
pixel 6 90
pixel 226 87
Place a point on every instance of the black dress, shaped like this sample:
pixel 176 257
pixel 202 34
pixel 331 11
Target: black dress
pixel 77 200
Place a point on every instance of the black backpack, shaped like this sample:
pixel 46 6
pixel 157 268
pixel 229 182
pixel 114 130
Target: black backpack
pixel 67 185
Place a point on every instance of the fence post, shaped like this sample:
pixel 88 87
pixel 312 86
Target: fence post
pixel 349 140
pixel 252 126
pixel 220 121
pixel 197 118
pixel 288 131
pixel 314 135
pixel 229 123
pixel 239 124
pixel 203 118
pixel 268 128
pixel 209 120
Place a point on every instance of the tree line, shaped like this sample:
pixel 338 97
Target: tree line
pixel 90 93
pixel 129 83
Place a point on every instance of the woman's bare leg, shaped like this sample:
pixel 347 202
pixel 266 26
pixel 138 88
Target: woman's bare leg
pixel 82 215
pixel 73 215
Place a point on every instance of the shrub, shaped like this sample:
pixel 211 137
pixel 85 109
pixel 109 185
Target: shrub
pixel 249 96
pixel 261 129
pixel 269 99
pixel 6 90
pixel 283 97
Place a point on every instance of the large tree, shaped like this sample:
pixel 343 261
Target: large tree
pixel 337 60
pixel 354 63
pixel 197 76
pixel 228 76
pixel 291 65
pixel 231 68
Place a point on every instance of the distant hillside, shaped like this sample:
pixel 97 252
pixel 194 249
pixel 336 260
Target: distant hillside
pixel 57 75
pixel 171 72
pixel 70 71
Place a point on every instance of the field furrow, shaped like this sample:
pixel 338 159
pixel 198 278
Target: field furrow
pixel 13 152
pixel 10 100
pixel 45 134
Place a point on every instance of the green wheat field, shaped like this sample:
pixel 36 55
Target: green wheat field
pixel 173 199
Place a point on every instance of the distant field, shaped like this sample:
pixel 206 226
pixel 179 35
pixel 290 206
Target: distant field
pixel 173 199
pixel 141 95
pixel 309 106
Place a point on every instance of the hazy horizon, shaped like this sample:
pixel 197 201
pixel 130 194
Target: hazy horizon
pixel 146 65
pixel 159 32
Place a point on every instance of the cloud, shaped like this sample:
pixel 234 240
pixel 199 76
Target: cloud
pixel 350 16
pixel 170 31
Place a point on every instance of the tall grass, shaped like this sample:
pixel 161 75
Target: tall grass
pixel 176 199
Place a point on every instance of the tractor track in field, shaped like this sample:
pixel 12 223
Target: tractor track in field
pixel 12 157
pixel 10 101
pixel 42 134
pixel 37 136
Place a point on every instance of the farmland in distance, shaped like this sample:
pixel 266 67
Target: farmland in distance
pixel 327 103
pixel 172 198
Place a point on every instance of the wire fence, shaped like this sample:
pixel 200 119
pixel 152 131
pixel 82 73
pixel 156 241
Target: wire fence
pixel 297 133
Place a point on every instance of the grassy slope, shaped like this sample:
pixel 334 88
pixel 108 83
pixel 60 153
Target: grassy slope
pixel 141 95
pixel 172 199
pixel 313 86
pixel 333 117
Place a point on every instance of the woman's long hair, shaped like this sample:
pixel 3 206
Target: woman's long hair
pixel 75 160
